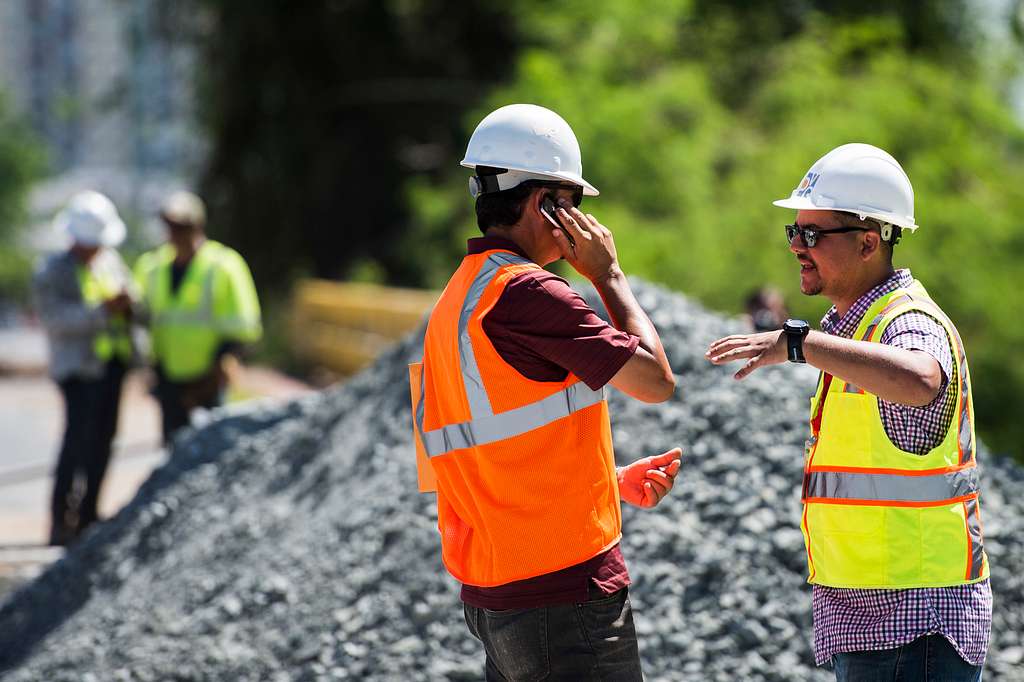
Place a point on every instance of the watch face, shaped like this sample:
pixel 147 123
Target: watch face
pixel 797 326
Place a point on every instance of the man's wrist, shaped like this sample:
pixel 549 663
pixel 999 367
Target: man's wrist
pixel 613 274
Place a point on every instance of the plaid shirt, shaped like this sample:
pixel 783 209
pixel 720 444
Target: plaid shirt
pixel 869 620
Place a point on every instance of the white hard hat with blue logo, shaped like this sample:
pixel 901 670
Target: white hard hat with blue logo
pixel 857 178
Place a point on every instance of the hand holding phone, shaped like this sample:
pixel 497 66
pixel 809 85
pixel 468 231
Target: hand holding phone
pixel 550 211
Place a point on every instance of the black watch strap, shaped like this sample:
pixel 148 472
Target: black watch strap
pixel 795 344
pixel 795 331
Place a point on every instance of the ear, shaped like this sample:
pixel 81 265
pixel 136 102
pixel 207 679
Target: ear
pixel 871 244
pixel 538 196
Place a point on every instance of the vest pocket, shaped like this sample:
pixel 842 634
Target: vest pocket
pixel 848 544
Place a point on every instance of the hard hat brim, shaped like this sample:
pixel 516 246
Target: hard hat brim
pixel 805 204
pixel 800 204
pixel 112 234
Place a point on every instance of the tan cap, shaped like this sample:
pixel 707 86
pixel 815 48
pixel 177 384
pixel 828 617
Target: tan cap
pixel 184 208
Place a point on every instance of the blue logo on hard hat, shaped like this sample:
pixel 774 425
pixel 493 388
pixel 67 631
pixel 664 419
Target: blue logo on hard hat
pixel 807 184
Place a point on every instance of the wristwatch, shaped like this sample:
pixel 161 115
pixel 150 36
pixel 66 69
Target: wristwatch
pixel 796 330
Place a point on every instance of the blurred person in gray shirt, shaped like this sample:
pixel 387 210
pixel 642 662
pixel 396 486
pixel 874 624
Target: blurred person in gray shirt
pixel 83 296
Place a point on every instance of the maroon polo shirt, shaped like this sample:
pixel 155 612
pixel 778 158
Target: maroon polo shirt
pixel 545 330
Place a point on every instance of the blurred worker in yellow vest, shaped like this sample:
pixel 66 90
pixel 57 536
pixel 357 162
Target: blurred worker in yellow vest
pixel 84 299
pixel 202 308
pixel 892 518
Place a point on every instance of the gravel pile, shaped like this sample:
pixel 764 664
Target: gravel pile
pixel 288 543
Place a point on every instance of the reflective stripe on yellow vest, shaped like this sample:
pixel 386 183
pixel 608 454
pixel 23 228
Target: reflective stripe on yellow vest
pixel 524 470
pixel 876 516
pixel 209 307
pixel 97 287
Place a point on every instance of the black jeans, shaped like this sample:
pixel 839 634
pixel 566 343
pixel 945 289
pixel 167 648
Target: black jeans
pixel 927 659
pixel 594 640
pixel 174 410
pixel 90 408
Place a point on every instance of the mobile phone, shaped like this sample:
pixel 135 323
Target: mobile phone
pixel 547 207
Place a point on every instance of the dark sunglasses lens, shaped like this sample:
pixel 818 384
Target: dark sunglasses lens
pixel 808 236
pixel 577 196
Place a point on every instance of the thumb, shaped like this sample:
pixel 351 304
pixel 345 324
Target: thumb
pixel 665 458
pixel 563 243
pixel 751 364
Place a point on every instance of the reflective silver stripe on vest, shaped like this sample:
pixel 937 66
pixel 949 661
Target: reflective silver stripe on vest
pixel 974 532
pixel 836 485
pixel 965 435
pixel 476 394
pixel 496 427
pixel 485 426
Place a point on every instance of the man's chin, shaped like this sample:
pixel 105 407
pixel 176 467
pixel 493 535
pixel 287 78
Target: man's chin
pixel 810 287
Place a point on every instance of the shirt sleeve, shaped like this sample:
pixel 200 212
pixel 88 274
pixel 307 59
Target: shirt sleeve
pixel 919 331
pixel 544 329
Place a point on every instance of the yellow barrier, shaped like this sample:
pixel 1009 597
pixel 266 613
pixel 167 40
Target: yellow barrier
pixel 344 325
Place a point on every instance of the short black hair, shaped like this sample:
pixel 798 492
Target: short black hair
pixel 501 209
pixel 876 224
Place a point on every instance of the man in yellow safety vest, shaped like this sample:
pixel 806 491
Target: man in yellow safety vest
pixel 201 305
pixel 891 520
pixel 83 296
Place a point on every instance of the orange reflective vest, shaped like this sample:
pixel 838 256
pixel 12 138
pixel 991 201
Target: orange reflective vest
pixel 525 474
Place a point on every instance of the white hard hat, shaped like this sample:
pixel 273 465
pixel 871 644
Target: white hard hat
pixel 857 178
pixel 92 220
pixel 184 208
pixel 531 143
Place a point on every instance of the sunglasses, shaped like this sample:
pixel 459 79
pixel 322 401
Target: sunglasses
pixel 809 234
pixel 577 191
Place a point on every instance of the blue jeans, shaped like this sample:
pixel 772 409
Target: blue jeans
pixel 927 659
pixel 593 640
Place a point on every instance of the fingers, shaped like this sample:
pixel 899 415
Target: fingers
pixel 751 365
pixel 673 468
pixel 727 342
pixel 660 479
pixel 651 497
pixel 665 458
pixel 724 356
pixel 574 225
pixel 585 221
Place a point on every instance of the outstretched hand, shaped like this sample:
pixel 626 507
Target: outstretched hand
pixel 647 480
pixel 760 350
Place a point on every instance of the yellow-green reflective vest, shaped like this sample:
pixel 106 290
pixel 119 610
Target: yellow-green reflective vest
pixel 215 302
pixel 96 287
pixel 876 516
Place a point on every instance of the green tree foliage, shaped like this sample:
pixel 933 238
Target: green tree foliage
pixel 21 161
pixel 318 111
pixel 694 116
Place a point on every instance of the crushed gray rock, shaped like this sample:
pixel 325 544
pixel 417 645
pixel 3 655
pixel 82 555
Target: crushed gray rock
pixel 289 543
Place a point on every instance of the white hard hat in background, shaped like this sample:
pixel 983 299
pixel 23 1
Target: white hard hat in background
pixel 857 178
pixel 532 143
pixel 92 220
pixel 184 208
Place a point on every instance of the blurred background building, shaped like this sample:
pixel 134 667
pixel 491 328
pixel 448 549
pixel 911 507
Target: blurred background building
pixel 111 94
